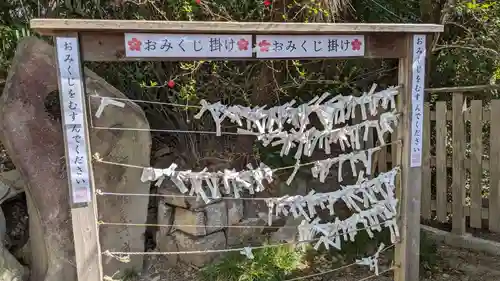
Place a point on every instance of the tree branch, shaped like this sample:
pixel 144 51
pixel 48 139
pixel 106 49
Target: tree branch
pixel 477 49
pixel 446 14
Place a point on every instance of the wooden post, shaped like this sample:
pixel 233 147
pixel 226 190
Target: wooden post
pixel 458 158
pixel 476 163
pixel 441 162
pixel 407 251
pixel 426 169
pixel 78 157
pixel 494 196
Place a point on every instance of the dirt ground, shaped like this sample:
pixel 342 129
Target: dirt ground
pixel 451 265
pixel 457 264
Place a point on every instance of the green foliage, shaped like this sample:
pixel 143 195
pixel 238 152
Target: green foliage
pixel 130 275
pixel 269 264
pixel 475 5
pixel 9 37
pixel 387 11
pixel 468 52
pixel 273 264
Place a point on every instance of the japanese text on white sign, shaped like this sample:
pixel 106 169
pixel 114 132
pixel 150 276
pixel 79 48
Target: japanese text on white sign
pixel 417 96
pixel 309 46
pixel 74 118
pixel 188 45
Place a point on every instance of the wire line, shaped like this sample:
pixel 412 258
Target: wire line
pixel 274 170
pixel 118 254
pixel 190 225
pixel 172 131
pixel 147 101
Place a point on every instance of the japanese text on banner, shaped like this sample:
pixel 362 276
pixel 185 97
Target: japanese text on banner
pixel 187 46
pixel 303 46
pixel 78 163
pixel 417 94
pixel 70 81
pixel 74 118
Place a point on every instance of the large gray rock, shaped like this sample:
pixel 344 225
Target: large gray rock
pixel 216 215
pixel 165 217
pixel 11 184
pixel 289 232
pixel 199 223
pixel 131 147
pixel 3 227
pixel 23 254
pixel 34 140
pixel 235 211
pixel 10 268
pixel 185 242
pixel 169 244
pixel 190 222
pixel 249 231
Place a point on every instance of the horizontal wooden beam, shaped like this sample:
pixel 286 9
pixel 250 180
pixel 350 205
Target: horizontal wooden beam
pixel 432 162
pixel 466 241
pixel 461 89
pixel 111 47
pixel 486 115
pixel 51 26
pixel 484 211
pixel 485 164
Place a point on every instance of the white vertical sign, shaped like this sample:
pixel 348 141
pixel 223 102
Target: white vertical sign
pixel 72 102
pixel 188 45
pixel 417 99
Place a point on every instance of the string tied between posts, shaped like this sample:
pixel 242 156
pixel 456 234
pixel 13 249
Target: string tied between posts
pixel 120 258
pixel 372 261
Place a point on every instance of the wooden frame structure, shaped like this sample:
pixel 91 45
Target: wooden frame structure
pixel 103 40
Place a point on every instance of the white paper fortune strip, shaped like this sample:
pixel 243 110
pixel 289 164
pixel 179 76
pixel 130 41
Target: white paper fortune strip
pixel 337 110
pixel 234 182
pixel 372 261
pixel 365 191
pixel 321 168
pixel 105 101
pixel 382 214
pixel 247 251
pixel 346 137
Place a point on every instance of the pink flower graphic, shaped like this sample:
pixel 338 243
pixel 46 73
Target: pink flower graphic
pixel 242 44
pixel 356 45
pixel 134 44
pixel 264 46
